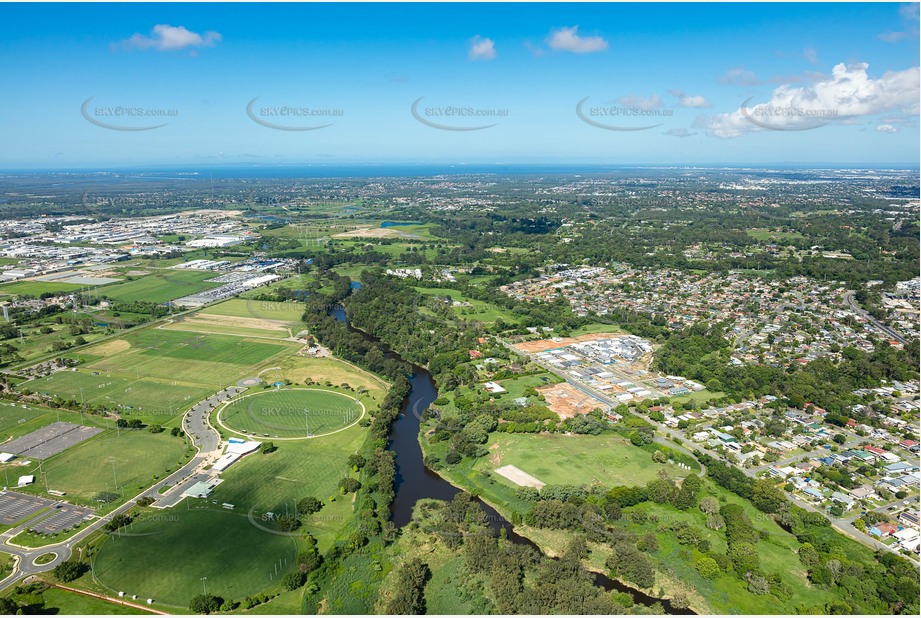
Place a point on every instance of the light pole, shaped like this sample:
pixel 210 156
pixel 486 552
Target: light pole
pixel 203 580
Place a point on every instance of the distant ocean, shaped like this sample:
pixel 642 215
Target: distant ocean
pixel 253 170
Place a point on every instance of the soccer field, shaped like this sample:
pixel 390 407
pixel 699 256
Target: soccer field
pixel 299 468
pixel 161 286
pixel 158 372
pixel 130 459
pixel 165 555
pixel 19 419
pixel 257 309
pixel 291 413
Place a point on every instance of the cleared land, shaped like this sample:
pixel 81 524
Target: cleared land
pixel 299 369
pixel 519 477
pixel 372 232
pixel 574 459
pixel 165 556
pixel 561 342
pixel 470 308
pixel 224 325
pixel 568 401
pixel 290 413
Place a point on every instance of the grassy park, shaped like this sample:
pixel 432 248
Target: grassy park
pixel 291 413
pixel 130 459
pixel 560 459
pixel 154 373
pixel 164 556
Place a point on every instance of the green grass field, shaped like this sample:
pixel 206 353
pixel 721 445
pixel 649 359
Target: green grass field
pixel 591 329
pixel 65 602
pixel 300 468
pixel 290 413
pixel 559 459
pixel 699 397
pixel 166 554
pixel 258 309
pixel 420 230
pixel 161 286
pixel 36 288
pixel 210 328
pixel 135 459
pixel 19 419
pixel 156 372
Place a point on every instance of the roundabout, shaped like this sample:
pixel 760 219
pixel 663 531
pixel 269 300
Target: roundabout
pixel 290 413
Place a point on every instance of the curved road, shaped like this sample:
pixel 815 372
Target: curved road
pixel 205 439
pixel 887 330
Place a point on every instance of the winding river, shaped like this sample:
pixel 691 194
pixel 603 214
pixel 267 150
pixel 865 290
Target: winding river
pixel 414 481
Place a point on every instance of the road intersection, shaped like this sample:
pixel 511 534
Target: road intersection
pixel 207 442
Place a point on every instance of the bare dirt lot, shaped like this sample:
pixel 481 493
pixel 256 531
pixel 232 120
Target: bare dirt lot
pixel 550 344
pixel 567 401
pixel 520 477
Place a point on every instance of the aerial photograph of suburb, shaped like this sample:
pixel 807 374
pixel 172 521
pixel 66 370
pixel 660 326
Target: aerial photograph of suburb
pixel 460 308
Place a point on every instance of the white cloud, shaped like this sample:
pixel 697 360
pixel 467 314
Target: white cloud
pixel 568 39
pixel 633 100
pixel 164 37
pixel 811 55
pixel 739 76
pixel 688 100
pixel 847 94
pixel 894 37
pixel 481 49
pixel 682 133
pixel 535 50
pixel 887 128
pixel 909 13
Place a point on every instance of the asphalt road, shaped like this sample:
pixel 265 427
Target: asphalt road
pixel 204 437
pixel 849 297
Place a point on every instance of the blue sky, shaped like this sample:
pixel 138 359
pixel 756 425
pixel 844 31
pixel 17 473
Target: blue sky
pixel 717 83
